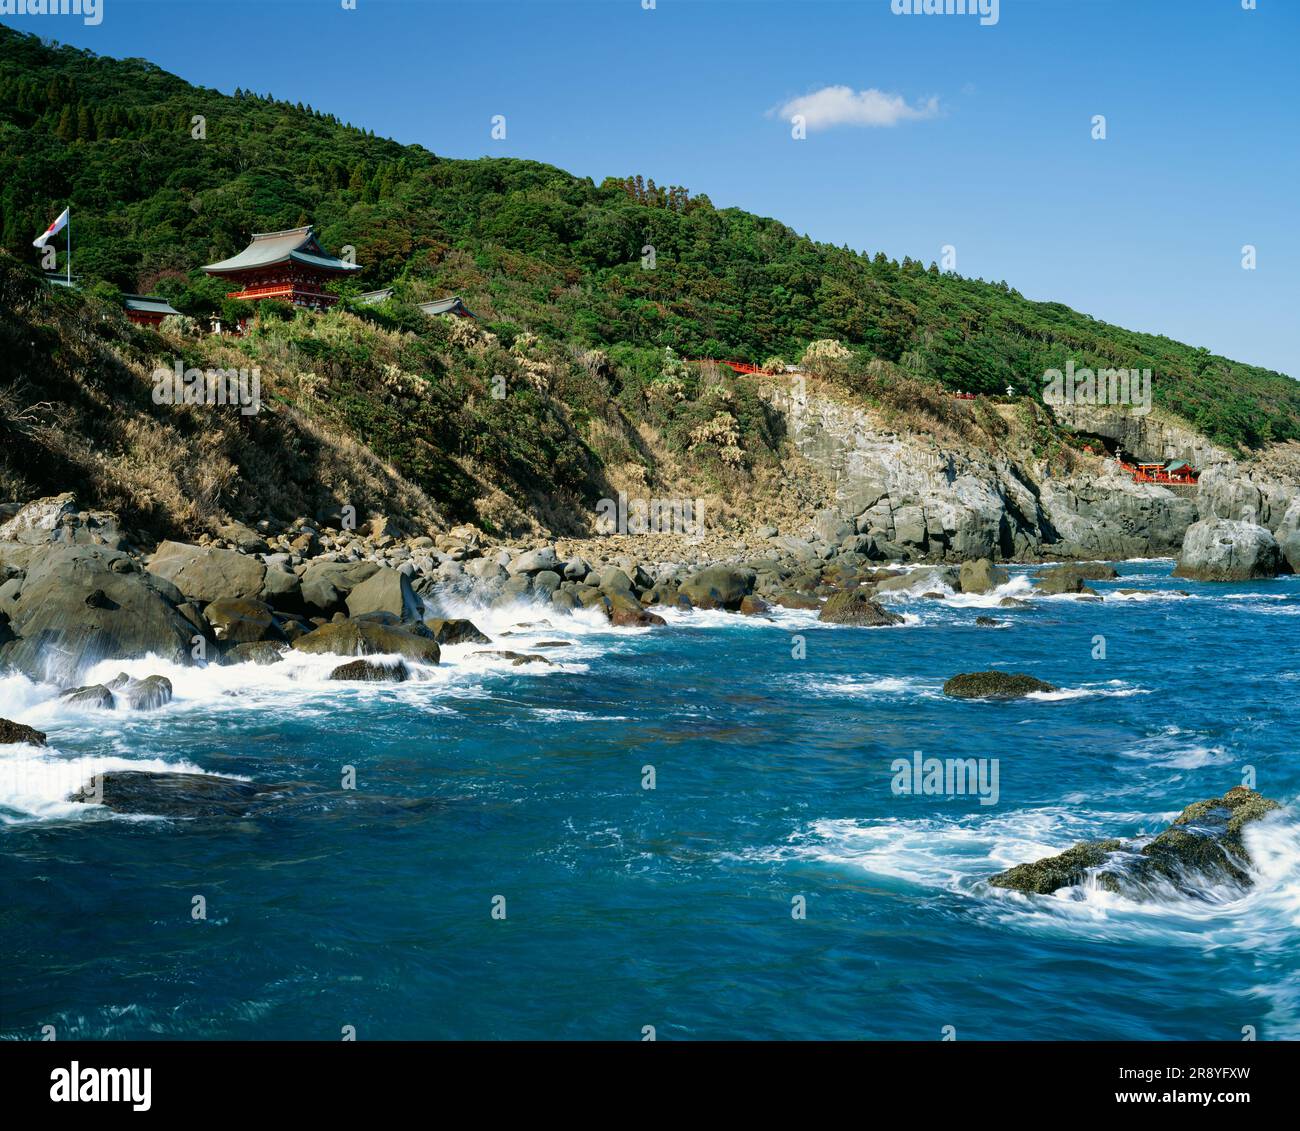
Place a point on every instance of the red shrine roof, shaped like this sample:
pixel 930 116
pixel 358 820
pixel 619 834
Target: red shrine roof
pixel 267 249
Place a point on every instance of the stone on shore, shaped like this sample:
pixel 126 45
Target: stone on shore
pixel 240 620
pixel 385 591
pixel 718 587
pixel 204 573
pixel 368 638
pixel 77 605
pixel 255 652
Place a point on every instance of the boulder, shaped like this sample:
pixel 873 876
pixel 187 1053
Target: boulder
pixel 981 576
pixel 987 622
pixel 203 573
pixel 928 576
pixel 456 631
pixel 146 694
pixel 515 658
pixel 240 620
pixel 17 732
pixel 1288 535
pixel 994 685
pixel 82 604
pixel 372 671
pixel 752 606
pixel 534 561
pixel 1224 549
pixel 326 585
pixel 1060 579
pixel 856 607
pixel 95 695
pixel 368 638
pixel 718 587
pixel 257 652
pixel 58 519
pixel 385 591
pixel 1201 848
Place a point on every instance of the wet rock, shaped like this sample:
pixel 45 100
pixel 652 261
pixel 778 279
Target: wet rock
pixel 54 632
pixel 385 591
pixel 1060 579
pixel 553 644
pixel 718 587
pixel 1222 549
pixel 929 576
pixel 856 607
pixel 94 695
pixel 981 576
pixel 1203 846
pixel 456 630
pixel 146 694
pixel 1042 877
pixel 18 732
pixel 372 671
pixel 367 638
pixel 994 685
pixel 1012 603
pixel 515 658
pixel 752 606
pixel 240 620
pixel 987 622
pixel 169 794
pixel 255 652
pixel 788 599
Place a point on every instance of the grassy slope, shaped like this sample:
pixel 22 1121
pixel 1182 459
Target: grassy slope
pixel 551 262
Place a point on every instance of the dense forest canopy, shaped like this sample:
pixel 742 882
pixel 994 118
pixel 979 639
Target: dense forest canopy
pixel 528 246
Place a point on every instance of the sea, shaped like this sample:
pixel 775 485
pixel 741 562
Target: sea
pixel 698 831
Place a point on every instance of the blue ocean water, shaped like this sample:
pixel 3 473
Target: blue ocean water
pixel 675 907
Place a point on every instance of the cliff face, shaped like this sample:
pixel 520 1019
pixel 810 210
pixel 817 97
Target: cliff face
pixel 916 497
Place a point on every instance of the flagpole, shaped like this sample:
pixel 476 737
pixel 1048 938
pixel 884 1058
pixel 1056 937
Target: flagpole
pixel 69 245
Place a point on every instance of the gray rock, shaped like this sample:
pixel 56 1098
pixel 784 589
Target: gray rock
pixel 385 591
pixel 982 576
pixel 204 574
pixel 368 638
pixel 533 561
pixel 1222 549
pixel 326 585
pixel 372 671
pixel 240 620
pixel 55 633
pixel 718 587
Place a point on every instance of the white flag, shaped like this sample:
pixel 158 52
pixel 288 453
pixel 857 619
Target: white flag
pixel 52 230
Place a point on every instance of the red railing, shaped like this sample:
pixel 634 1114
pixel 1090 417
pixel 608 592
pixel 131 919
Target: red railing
pixel 738 366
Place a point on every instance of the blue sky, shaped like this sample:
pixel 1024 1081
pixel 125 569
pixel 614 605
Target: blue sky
pixel 991 152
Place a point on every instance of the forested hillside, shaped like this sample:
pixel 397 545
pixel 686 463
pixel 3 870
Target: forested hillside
pixel 529 247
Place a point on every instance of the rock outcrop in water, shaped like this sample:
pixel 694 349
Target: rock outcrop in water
pixel 11 732
pixel 1203 846
pixel 857 607
pixel 994 685
pixel 1224 549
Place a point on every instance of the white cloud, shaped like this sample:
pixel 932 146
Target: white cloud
pixel 843 106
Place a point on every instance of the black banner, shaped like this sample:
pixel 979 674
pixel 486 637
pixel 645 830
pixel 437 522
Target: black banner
pixel 329 1081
